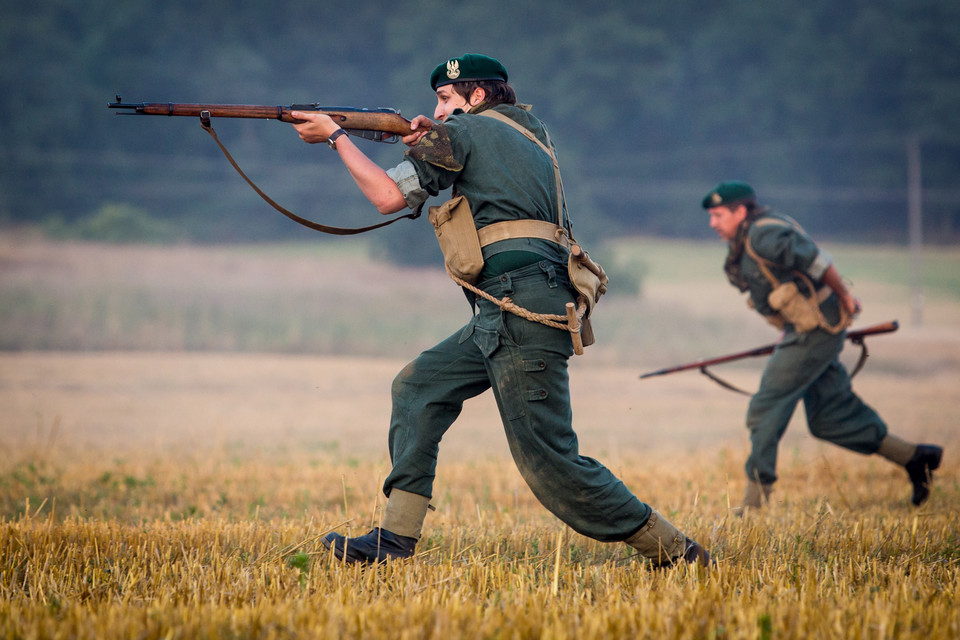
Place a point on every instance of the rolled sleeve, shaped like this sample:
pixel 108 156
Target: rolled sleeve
pixel 407 180
pixel 820 264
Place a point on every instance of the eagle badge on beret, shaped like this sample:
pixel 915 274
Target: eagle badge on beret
pixel 453 69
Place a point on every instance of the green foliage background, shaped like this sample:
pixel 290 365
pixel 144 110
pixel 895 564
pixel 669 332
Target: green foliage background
pixel 649 103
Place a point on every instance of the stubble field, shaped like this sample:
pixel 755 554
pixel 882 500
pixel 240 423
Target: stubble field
pixel 180 491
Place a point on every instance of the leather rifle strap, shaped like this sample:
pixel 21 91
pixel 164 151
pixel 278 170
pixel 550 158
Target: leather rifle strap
pixel 316 226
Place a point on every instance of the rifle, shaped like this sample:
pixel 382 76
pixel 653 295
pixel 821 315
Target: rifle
pixel 380 125
pixel 857 337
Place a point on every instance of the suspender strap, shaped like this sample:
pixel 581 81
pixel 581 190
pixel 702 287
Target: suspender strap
pixel 490 113
pixel 762 263
pixel 818 295
pixel 822 294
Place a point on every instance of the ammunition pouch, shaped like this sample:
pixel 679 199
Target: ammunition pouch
pixel 590 281
pixel 457 234
pixel 792 306
pixel 587 277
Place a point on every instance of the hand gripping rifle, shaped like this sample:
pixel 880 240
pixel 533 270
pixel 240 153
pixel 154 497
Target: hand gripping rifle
pixel 379 125
pixel 857 337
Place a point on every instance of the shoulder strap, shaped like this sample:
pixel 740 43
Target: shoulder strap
pixel 815 297
pixel 763 263
pixel 780 222
pixel 490 113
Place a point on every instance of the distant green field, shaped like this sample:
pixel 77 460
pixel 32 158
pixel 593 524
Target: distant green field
pixel 667 298
pixel 682 261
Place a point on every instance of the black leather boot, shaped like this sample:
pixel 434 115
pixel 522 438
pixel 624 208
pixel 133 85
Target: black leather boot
pixel 920 468
pixel 371 548
pixel 693 553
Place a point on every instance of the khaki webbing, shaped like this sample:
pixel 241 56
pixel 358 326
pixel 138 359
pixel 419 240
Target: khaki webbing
pixel 546 148
pixel 523 229
pixel 820 295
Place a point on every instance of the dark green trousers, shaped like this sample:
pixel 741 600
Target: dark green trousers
pixel 806 366
pixel 525 363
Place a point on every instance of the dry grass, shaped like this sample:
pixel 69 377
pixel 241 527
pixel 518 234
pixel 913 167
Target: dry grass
pixel 830 575
pixel 182 495
pixel 173 495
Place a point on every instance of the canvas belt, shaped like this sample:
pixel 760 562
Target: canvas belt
pixel 523 229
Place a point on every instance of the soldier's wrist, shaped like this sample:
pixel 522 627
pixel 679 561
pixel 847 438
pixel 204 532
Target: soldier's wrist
pixel 332 138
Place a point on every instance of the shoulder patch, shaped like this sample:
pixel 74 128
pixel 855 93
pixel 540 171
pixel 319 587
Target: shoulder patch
pixel 435 148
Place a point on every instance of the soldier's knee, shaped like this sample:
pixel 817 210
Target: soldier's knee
pixel 401 383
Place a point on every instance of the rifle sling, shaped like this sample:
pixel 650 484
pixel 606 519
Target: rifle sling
pixel 316 226
pixel 864 354
pixel 723 383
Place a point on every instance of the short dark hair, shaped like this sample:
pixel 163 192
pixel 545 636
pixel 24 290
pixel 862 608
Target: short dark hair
pixel 749 203
pixel 498 92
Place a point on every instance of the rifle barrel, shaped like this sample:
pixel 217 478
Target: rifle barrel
pixel 388 121
pixel 277 112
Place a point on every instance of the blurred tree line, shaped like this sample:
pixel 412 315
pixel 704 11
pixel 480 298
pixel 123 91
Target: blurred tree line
pixel 650 104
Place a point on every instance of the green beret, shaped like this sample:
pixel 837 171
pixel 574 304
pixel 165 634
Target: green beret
pixel 471 66
pixel 728 193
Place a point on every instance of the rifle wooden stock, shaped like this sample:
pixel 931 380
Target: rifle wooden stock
pixel 388 122
pixel 856 337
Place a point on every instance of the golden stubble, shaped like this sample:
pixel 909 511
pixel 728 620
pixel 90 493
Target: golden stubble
pixel 183 494
pixel 179 495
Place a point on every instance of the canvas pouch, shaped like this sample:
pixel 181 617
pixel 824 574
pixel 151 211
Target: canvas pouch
pixel 457 234
pixel 786 299
pixel 794 307
pixel 590 281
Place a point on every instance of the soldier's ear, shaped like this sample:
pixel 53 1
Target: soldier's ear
pixel 477 96
pixel 739 213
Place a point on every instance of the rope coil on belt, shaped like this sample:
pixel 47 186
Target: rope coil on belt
pixel 549 319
